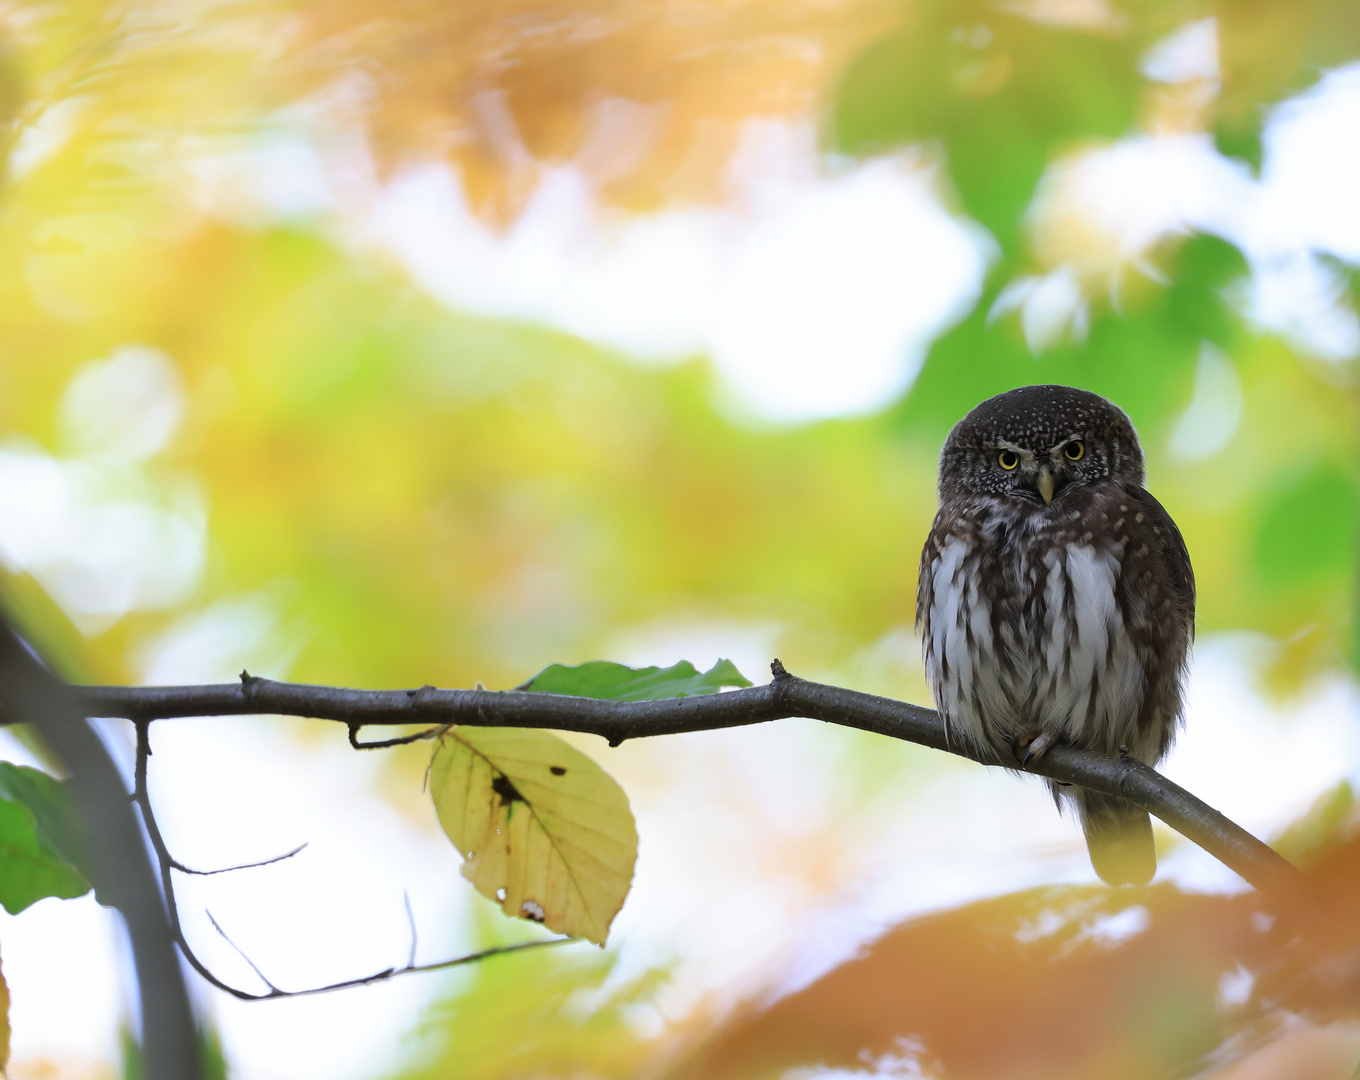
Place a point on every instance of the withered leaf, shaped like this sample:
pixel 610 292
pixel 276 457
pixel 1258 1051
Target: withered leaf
pixel 543 830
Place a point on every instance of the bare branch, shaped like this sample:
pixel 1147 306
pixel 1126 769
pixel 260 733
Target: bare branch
pixel 168 864
pixel 411 967
pixel 616 721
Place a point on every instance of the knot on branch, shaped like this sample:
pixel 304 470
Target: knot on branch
pixel 420 697
pixel 249 683
pixel 1128 761
pixel 782 680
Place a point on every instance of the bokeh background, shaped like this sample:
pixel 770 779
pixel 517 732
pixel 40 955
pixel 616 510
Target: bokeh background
pixel 390 344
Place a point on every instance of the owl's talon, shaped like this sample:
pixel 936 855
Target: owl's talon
pixel 1034 743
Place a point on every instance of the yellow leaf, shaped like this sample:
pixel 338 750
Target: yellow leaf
pixel 543 830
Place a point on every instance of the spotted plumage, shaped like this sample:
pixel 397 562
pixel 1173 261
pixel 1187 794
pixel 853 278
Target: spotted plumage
pixel 1056 599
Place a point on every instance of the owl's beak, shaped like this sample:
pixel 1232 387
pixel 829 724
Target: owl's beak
pixel 1046 485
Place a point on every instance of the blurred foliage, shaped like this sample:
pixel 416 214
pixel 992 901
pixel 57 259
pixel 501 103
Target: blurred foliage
pixel 463 81
pixel 210 1048
pixel 545 1012
pixel 542 495
pixel 1065 982
pixel 546 496
pixel 394 493
pixel 1003 89
pixel 1326 819
pixel 1073 981
pixel 991 86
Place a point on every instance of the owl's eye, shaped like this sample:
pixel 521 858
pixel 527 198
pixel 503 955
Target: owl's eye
pixel 1008 459
pixel 1075 450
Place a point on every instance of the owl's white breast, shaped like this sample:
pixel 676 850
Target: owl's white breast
pixel 1055 657
pixel 1089 682
pixel 960 653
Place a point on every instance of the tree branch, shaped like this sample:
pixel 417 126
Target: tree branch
pixel 119 866
pixel 617 721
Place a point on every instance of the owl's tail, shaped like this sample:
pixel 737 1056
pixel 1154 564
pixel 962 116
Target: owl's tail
pixel 1119 838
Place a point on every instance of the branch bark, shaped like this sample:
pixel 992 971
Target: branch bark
pixel 786 696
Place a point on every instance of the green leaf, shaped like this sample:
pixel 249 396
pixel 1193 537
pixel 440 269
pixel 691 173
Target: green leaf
pixel 617 682
pixel 543 830
pixel 28 871
pixel 56 822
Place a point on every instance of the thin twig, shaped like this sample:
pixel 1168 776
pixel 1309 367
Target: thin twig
pixel 242 954
pixel 243 866
pixel 168 864
pixel 387 973
pixel 383 744
pixel 617 721
pixel 415 969
pixel 411 921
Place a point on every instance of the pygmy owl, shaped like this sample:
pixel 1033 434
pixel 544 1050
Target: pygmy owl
pixel 1056 600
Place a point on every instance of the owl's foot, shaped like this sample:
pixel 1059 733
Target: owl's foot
pixel 1034 742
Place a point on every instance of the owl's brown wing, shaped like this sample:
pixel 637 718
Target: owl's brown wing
pixel 1156 596
pixel 1174 555
pixel 925 586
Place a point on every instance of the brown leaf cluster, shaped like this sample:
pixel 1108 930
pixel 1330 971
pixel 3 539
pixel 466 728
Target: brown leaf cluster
pixel 1078 982
pixel 647 96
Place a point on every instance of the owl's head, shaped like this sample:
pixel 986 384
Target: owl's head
pixel 1036 442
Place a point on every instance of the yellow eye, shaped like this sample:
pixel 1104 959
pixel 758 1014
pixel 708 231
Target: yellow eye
pixel 1008 459
pixel 1075 450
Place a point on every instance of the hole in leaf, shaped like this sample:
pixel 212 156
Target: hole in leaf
pixel 500 895
pixel 532 909
pixel 502 786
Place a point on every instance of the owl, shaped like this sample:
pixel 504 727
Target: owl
pixel 1056 602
